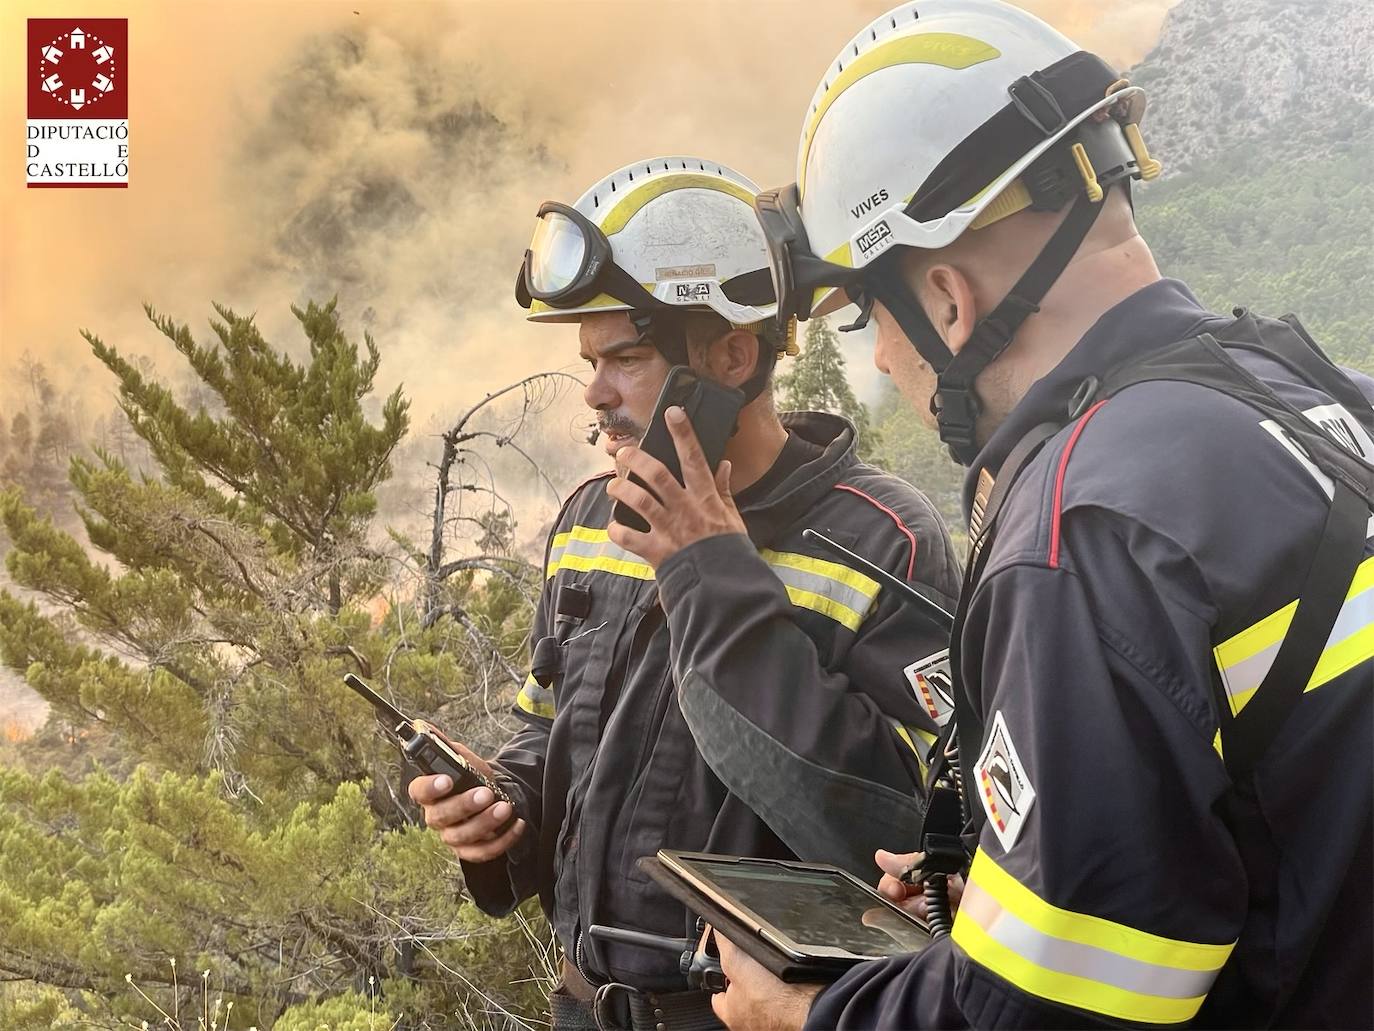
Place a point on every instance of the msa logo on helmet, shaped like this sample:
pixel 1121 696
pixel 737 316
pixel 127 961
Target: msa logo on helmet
pixel 1003 786
pixel 691 292
pixel 876 238
pixel 869 203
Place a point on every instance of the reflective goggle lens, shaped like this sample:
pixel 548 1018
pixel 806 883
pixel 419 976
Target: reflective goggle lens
pixel 557 254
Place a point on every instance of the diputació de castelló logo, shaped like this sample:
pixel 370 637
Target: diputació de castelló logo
pixel 78 102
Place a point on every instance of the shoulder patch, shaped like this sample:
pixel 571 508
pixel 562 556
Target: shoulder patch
pixel 931 683
pixel 1003 787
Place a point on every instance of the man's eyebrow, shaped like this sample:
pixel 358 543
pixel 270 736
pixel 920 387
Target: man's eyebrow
pixel 611 350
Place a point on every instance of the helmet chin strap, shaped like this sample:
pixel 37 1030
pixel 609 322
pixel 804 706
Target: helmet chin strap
pixel 955 403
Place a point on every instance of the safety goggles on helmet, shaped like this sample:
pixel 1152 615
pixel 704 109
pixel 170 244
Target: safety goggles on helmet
pixel 570 261
pixel 1015 139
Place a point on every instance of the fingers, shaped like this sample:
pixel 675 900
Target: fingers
pixel 637 498
pixel 896 863
pixel 696 474
pixel 428 790
pixel 723 481
pixel 486 851
pixel 720 1004
pixel 891 888
pixel 956 890
pixel 450 810
pixel 475 825
pixel 729 957
pixel 720 1007
pixel 656 475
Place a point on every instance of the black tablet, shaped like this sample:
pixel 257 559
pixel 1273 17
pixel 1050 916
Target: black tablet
pixel 814 920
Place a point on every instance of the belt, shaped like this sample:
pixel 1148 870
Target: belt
pixel 578 1005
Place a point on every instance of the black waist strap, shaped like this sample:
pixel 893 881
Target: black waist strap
pixel 622 1008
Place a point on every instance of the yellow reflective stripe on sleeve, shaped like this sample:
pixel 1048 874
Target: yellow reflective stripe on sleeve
pixel 843 594
pixel 863 585
pixel 1245 659
pixel 1078 960
pixel 837 611
pixel 945 49
pixel 535 700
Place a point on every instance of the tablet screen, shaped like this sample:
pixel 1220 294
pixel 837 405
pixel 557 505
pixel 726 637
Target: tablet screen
pixel 814 908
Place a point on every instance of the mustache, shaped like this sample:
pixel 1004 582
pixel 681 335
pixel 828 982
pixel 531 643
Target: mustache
pixel 614 422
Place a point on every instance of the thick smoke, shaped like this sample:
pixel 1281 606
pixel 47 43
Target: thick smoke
pixel 394 154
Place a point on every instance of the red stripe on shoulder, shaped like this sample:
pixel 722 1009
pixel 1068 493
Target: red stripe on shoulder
pixel 906 530
pixel 1059 481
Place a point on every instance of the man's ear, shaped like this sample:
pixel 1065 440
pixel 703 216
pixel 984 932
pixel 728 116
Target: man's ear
pixel 734 356
pixel 947 297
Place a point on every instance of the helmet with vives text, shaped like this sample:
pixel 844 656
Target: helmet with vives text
pixel 941 117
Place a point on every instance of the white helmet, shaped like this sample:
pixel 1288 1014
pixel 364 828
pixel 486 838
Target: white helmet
pixel 939 117
pixel 667 233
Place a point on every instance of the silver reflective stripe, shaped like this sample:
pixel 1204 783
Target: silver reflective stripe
pixel 1242 677
pixel 1086 961
pixel 585 550
pixel 535 699
pixel 555 556
pixel 834 590
pixel 855 601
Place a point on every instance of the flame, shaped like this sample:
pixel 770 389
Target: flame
pixel 12 732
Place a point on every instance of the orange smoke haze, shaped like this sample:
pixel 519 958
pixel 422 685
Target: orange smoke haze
pixel 395 153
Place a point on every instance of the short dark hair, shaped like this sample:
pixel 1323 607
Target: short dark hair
pixel 701 328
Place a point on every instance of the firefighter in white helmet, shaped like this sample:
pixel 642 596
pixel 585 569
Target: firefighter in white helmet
pixel 663 263
pixel 1163 656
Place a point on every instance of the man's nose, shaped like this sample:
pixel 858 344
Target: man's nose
pixel 599 394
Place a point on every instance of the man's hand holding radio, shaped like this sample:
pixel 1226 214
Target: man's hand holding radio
pixel 472 824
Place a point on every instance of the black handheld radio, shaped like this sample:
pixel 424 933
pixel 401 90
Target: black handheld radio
pixel 420 743
pixel 712 409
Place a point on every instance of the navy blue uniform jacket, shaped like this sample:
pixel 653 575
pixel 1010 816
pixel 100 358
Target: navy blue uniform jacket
pixel 1153 548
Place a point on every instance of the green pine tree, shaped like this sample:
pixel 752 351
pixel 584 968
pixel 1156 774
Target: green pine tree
pixel 236 810
pixel 817 382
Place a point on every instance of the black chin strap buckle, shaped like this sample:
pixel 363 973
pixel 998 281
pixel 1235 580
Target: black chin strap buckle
pixel 956 409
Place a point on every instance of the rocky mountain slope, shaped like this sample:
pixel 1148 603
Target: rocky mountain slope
pixel 1296 74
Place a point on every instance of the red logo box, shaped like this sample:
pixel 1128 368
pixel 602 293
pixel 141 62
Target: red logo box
pixel 78 68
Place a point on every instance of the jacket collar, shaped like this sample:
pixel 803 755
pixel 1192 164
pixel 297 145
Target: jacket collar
pixel 1152 318
pixel 769 516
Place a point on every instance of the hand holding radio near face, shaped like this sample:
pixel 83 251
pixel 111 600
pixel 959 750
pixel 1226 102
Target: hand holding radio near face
pixel 679 515
pixel 476 825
